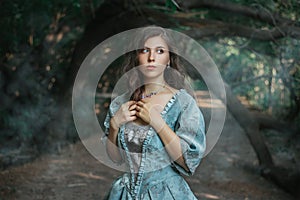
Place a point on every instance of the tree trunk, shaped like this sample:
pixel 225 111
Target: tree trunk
pixel 251 127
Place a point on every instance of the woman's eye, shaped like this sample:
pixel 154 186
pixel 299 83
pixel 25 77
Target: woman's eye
pixel 144 50
pixel 160 51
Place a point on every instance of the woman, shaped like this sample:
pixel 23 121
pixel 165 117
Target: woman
pixel 156 128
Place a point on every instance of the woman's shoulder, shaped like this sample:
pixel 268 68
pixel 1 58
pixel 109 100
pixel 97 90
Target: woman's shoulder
pixel 180 100
pixel 181 92
pixel 185 96
pixel 186 101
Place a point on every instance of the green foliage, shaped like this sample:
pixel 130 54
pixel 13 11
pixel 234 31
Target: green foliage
pixel 37 42
pixel 171 4
pixel 259 71
pixel 199 85
pixel 22 19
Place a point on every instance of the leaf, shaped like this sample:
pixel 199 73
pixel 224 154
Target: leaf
pixel 172 5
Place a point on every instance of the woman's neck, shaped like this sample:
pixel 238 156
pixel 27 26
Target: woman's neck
pixel 152 86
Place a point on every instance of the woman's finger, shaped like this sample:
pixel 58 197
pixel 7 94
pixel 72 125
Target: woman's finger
pixel 130 103
pixel 140 103
pixel 132 113
pixel 137 114
pixel 132 118
pixel 132 107
pixel 138 108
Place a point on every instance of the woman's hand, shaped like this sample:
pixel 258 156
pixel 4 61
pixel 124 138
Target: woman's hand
pixel 126 113
pixel 150 113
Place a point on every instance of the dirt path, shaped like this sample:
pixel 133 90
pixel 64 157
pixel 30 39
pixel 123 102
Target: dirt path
pixel 228 172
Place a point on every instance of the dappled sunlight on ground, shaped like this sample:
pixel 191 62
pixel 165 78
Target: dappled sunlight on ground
pixel 204 100
pixel 208 196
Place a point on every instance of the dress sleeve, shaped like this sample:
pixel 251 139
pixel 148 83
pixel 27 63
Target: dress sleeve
pixel 190 128
pixel 113 108
pixel 109 115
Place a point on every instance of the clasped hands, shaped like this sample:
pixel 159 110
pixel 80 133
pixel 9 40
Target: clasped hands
pixel 133 110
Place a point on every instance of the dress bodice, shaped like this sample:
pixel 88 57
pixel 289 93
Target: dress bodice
pixel 135 134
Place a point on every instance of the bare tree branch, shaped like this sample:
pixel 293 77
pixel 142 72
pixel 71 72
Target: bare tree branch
pixel 258 13
pixel 268 122
pixel 210 28
pixel 223 29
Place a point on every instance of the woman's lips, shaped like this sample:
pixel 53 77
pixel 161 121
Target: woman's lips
pixel 150 67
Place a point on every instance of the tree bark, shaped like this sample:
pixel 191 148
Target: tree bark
pixel 251 127
pixel 268 122
pixel 256 12
pixel 208 28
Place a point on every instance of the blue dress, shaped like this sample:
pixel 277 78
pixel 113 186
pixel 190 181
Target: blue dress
pixel 152 174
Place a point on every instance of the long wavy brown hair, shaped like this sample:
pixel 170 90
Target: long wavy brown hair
pixel 175 78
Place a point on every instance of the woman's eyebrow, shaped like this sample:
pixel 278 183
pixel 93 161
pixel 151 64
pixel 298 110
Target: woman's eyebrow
pixel 158 47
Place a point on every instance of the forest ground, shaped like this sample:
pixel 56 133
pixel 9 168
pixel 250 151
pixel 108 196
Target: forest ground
pixel 229 171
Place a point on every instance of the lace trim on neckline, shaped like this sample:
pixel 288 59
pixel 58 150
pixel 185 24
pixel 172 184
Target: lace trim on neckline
pixel 171 101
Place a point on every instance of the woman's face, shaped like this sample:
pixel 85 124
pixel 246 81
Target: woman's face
pixel 154 57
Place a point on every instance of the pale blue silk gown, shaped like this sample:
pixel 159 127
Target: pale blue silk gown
pixel 152 174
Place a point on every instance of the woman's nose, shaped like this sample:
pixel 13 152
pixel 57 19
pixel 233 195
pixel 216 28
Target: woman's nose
pixel 151 56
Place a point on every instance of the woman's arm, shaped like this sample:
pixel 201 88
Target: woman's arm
pixel 125 114
pixel 171 141
pixel 111 144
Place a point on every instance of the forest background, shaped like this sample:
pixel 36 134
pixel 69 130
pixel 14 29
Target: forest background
pixel 255 44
